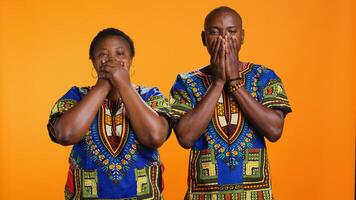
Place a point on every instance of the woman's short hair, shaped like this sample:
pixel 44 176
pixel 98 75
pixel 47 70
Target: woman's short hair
pixel 110 32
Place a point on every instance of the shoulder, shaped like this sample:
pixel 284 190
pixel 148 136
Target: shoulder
pixel 188 77
pixel 193 73
pixel 148 92
pixel 84 90
pixel 265 73
pixel 75 93
pixel 259 68
pixel 79 91
pixel 184 80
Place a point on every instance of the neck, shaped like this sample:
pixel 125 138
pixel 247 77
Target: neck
pixel 240 66
pixel 114 95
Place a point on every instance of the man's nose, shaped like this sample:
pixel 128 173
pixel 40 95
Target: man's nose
pixel 223 33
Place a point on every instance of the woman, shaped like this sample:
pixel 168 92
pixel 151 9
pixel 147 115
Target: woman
pixel 115 128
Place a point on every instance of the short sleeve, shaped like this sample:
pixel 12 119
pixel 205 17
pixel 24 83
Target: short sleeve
pixel 157 101
pixel 65 103
pixel 273 92
pixel 179 99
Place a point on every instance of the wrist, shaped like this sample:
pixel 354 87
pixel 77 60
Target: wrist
pixel 218 83
pixel 122 88
pixel 235 85
pixel 103 83
pixel 236 78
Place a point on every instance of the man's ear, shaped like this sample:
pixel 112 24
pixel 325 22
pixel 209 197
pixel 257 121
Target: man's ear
pixel 203 38
pixel 243 36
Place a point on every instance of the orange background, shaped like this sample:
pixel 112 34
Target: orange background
pixel 309 43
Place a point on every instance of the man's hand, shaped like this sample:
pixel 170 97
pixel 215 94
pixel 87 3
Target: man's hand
pixel 233 65
pixel 217 59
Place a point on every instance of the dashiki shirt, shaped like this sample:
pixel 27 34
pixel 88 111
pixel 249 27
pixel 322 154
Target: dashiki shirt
pixel 229 160
pixel 109 162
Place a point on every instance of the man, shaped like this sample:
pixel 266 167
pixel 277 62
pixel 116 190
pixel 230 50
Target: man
pixel 223 112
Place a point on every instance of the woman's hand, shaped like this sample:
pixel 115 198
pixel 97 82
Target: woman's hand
pixel 103 83
pixel 117 72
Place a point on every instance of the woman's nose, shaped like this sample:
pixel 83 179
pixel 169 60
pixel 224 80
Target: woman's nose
pixel 112 57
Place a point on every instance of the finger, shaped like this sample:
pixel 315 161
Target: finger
pixel 230 43
pixel 213 45
pixel 112 64
pixel 117 61
pixel 223 58
pixel 227 47
pixel 234 43
pixel 122 63
pixel 102 75
pixel 222 53
pixel 103 62
pixel 107 69
pixel 217 50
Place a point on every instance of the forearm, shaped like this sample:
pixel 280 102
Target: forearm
pixel 267 121
pixel 194 123
pixel 150 128
pixel 73 124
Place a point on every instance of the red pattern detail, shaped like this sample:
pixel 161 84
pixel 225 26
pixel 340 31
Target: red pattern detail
pixel 229 129
pixel 253 150
pixel 162 180
pixel 113 143
pixel 260 195
pixel 114 140
pixel 70 184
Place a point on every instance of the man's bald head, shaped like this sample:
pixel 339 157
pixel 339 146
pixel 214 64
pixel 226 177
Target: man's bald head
pixel 221 10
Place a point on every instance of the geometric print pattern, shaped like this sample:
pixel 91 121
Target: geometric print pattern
pixel 256 179
pixel 109 153
pixel 229 143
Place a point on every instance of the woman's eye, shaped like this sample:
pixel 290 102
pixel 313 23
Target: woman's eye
pixel 232 31
pixel 101 54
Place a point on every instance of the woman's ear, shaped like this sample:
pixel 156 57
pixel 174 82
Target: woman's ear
pixel 203 38
pixel 130 62
pixel 94 65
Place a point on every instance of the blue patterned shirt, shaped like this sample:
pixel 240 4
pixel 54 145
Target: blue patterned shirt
pixel 229 160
